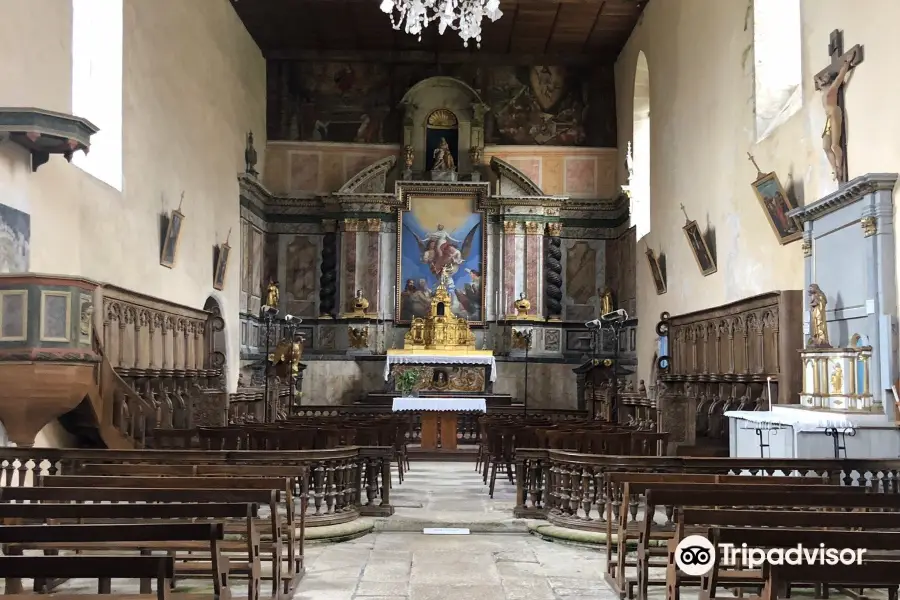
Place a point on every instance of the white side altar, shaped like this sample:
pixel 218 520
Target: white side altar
pixel 440 404
pixel 787 432
pixel 439 418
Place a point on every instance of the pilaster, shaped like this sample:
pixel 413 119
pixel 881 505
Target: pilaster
pixel 350 234
pixel 534 231
pixel 372 267
pixel 509 268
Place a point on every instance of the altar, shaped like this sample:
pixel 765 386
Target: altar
pixel 439 417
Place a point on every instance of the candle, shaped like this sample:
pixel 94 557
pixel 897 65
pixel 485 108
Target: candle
pixel 769 386
pixel 496 306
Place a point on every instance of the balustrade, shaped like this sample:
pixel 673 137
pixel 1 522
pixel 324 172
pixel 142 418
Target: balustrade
pixel 570 489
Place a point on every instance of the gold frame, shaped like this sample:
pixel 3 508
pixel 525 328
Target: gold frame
pixel 773 177
pixel 714 267
pixel 68 296
pixel 162 249
pixel 653 260
pixel 24 336
pixel 223 253
pixel 405 191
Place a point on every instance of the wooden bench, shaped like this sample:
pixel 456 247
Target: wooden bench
pixel 108 537
pixel 244 552
pixel 873 574
pixel 279 534
pixel 56 513
pixel 703 495
pixel 623 492
pixel 675 496
pixel 768 538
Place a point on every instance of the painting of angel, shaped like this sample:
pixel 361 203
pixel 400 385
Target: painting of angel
pixel 441 236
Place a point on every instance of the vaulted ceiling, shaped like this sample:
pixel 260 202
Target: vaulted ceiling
pixel 530 32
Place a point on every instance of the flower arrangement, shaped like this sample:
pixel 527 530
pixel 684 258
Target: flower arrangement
pixel 407 381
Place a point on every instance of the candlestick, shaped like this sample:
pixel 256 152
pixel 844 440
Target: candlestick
pixel 497 305
pixel 769 386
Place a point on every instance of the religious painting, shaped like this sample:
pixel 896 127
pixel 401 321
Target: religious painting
pixel 15 240
pixel 541 105
pixel 221 254
pixel 776 204
pixel 700 248
pixel 656 272
pixel 170 238
pixel 440 232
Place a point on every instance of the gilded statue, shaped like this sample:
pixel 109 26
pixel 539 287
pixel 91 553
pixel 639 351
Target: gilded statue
pixel 837 380
pixel 443 158
pixel 272 294
pixel 522 306
pixel 606 301
pixel 360 304
pixel 408 157
pixel 285 352
pixel 832 135
pixel 818 325
pixel 475 155
pixel 358 337
pixel 416 334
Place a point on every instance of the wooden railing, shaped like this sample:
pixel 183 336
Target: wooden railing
pixel 341 484
pixel 569 489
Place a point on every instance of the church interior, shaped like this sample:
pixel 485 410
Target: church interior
pixel 446 271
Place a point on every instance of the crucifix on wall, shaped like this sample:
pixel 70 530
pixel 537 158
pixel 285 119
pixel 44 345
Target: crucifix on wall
pixel 830 81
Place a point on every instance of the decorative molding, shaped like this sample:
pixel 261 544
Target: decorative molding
pixel 533 228
pixel 505 170
pixel 371 180
pixel 848 193
pixel 869 226
pixel 807 248
pixel 554 229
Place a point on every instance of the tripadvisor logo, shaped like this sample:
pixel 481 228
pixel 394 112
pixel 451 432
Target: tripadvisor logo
pixel 696 555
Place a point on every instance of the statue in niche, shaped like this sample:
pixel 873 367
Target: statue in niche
pixel 837 380
pixel 443 159
pixel 272 294
pixel 818 325
pixel 606 301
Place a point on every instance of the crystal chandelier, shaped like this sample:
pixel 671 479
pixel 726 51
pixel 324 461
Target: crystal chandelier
pixel 463 16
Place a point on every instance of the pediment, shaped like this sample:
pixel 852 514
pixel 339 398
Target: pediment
pixel 513 182
pixel 371 180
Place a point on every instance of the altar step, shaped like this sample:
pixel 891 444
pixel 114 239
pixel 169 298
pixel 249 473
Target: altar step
pixel 462 454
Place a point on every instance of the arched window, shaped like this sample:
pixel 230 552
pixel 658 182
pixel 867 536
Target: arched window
pixel 640 163
pixel 97 84
pixel 777 63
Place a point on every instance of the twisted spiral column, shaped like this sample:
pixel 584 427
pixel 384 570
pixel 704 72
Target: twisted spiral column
pixel 553 272
pixel 328 276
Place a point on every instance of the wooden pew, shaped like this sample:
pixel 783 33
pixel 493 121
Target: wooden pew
pixel 767 538
pixel 625 488
pixel 873 574
pixel 160 568
pixel 56 513
pixel 686 496
pixel 247 548
pixel 279 534
pixel 110 538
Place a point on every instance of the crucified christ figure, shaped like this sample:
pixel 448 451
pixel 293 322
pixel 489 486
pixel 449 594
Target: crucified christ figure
pixel 832 136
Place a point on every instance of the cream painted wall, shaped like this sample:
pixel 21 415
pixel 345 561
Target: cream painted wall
pixel 194 83
pixel 702 126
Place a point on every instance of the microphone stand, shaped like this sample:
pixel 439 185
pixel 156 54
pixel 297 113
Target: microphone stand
pixel 268 314
pixel 526 336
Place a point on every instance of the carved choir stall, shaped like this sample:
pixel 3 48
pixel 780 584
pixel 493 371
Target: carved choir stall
pixel 738 356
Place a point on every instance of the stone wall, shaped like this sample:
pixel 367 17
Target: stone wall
pixel 194 85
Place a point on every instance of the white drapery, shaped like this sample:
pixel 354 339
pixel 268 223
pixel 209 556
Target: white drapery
pixel 440 404
pixel 798 419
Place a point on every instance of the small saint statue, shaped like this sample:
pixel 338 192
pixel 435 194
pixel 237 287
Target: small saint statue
pixel 408 157
pixel 443 158
pixel 250 157
pixel 522 306
pixel 272 294
pixel 360 304
pixel 606 301
pixel 446 276
pixel 837 380
pixel 818 326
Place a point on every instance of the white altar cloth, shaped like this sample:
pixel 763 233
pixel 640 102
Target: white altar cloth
pixel 440 404
pixel 439 359
pixel 798 419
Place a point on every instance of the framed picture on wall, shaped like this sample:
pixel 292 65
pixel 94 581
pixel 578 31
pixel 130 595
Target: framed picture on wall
pixel 776 204
pixel 700 248
pixel 656 272
pixel 170 239
pixel 221 253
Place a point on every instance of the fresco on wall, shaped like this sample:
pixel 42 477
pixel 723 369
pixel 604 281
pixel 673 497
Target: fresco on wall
pixel 15 239
pixel 536 105
pixel 435 233
pixel 358 102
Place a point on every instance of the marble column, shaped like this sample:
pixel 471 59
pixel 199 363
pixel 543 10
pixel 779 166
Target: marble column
pixel 553 273
pixel 508 291
pixel 372 273
pixel 534 237
pixel 348 263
